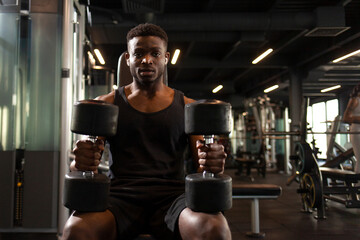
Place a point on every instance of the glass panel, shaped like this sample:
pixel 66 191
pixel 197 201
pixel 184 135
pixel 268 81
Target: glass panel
pixel 309 120
pixel 9 35
pixel 43 125
pixel 319 125
pixel 332 110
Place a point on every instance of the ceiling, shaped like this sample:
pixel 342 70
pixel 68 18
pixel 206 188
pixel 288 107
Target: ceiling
pixel 219 39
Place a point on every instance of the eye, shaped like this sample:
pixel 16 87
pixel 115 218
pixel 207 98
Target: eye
pixel 156 54
pixel 137 55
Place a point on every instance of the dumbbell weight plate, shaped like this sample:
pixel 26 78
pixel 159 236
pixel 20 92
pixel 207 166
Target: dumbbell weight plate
pixel 311 191
pixel 208 194
pixel 305 161
pixel 94 118
pixel 86 193
pixel 207 117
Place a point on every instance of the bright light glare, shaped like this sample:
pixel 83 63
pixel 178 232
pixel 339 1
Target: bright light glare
pixel 99 56
pixel 346 56
pixel 330 88
pixel 175 57
pixel 271 88
pixel 262 56
pixel 218 88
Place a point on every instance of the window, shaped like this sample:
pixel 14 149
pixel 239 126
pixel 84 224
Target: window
pixel 319 118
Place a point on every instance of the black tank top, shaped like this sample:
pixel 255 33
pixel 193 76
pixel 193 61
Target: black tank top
pixel 149 145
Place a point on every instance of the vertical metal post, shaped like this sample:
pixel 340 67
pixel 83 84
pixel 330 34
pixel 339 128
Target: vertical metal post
pixel 255 221
pixel 65 105
pixel 287 143
pixel 295 100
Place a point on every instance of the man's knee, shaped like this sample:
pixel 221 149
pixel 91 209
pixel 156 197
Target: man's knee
pixel 203 226
pixel 215 226
pixel 77 229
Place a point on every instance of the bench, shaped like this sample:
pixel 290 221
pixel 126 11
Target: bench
pixel 333 189
pixel 344 175
pixel 256 192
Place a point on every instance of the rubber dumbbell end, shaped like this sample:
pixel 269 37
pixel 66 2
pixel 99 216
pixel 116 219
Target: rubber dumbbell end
pixel 86 193
pixel 94 118
pixel 208 194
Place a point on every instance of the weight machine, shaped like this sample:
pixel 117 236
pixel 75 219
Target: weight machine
pixel 259 153
pixel 329 181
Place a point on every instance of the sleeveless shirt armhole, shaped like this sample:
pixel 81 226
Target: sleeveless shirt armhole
pixel 116 97
pixel 118 94
pixel 181 96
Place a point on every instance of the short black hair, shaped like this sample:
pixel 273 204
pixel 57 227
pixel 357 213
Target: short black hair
pixel 147 29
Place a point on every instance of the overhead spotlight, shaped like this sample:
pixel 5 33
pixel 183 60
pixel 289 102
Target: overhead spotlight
pixel 262 56
pixel 175 56
pixel 346 56
pixel 99 56
pixel 271 88
pixel 218 88
pixel 330 88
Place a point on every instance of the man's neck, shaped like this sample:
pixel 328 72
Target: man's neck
pixel 148 90
pixel 150 99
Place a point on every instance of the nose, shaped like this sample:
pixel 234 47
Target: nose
pixel 147 59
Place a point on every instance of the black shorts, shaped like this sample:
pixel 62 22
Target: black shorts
pixel 148 206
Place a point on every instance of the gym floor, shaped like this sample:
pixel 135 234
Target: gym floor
pixel 280 219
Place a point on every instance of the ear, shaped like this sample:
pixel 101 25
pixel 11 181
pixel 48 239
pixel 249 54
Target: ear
pixel 167 57
pixel 127 58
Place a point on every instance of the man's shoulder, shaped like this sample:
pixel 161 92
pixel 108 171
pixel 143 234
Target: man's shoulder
pixel 109 98
pixel 188 100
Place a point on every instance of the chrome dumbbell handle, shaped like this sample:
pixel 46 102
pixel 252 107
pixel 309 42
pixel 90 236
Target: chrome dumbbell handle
pixel 208 140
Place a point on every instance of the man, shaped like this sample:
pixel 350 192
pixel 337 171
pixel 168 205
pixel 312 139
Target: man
pixel 148 184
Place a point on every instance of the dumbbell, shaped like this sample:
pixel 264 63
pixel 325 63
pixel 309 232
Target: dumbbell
pixel 208 192
pixel 86 191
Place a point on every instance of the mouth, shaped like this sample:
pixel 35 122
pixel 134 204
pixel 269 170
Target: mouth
pixel 146 72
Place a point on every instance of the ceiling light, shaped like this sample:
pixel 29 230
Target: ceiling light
pixel 175 57
pixel 97 67
pixel 271 88
pixel 263 55
pixel 99 56
pixel 91 57
pixel 330 88
pixel 218 88
pixel 346 56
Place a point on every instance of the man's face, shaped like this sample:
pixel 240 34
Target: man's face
pixel 147 58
